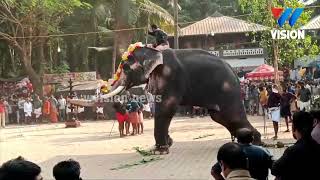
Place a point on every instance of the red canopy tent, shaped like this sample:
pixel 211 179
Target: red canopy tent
pixel 263 72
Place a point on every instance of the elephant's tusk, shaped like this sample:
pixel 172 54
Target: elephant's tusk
pixel 113 93
pixel 81 102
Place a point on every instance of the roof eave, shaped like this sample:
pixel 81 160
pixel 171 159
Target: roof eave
pixel 219 33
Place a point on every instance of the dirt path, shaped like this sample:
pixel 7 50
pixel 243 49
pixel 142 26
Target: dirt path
pixel 196 142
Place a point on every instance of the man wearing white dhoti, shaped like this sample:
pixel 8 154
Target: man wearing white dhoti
pixel 274 108
pixel 37 106
pixel 27 108
pixel 304 95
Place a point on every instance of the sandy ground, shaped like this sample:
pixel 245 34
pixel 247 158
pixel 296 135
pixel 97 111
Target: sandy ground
pixel 98 153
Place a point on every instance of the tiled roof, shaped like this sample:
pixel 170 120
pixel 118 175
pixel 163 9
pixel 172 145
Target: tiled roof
pixel 222 24
pixel 313 23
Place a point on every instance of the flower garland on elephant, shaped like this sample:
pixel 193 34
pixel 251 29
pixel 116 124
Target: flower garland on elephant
pixel 125 57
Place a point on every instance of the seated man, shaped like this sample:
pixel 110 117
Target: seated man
pixel 67 170
pixel 260 160
pixel 300 161
pixel 233 162
pixel 161 38
pixel 20 169
pixel 99 112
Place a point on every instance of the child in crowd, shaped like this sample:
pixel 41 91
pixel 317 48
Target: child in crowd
pixel 146 110
pixel 100 113
pixel 140 125
pixel 121 116
pixel 133 108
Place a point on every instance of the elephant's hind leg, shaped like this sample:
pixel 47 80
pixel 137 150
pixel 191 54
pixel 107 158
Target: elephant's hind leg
pixel 234 118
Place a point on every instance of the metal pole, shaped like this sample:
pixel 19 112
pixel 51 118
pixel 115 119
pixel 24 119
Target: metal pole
pixel 147 35
pixel 112 128
pixel 176 37
pixel 275 62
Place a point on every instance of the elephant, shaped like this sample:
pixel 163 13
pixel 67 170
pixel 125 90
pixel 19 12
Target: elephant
pixel 190 77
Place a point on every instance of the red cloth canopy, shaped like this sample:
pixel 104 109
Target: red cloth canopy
pixel 263 72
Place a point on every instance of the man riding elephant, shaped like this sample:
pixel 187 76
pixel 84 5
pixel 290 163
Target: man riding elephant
pixel 161 38
pixel 189 77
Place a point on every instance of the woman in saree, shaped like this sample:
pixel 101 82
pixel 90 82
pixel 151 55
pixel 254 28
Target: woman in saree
pixel 46 108
pixel 53 109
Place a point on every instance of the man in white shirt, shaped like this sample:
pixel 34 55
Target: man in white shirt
pixel 146 110
pixel 81 112
pixel 62 108
pixel 27 108
pixel 20 112
pixel 7 106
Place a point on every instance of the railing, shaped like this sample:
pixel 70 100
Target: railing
pixel 239 52
pixel 243 52
pixel 216 53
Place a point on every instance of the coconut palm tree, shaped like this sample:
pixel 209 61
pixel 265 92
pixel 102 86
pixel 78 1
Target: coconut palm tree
pixel 124 14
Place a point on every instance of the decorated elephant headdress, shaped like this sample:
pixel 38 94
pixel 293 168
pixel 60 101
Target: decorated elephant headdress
pixel 125 57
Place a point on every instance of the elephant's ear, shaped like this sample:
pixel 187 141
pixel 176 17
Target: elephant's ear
pixel 153 58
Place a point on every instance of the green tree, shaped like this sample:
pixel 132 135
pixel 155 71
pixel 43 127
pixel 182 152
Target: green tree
pixel 23 21
pixel 191 10
pixel 136 15
pixel 288 50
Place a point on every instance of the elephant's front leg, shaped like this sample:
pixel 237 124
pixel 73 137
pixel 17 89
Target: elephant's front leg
pixel 164 112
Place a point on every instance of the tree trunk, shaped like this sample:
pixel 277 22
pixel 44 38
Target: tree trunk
pixel 12 59
pixel 122 22
pixel 114 55
pixel 69 53
pixel 84 54
pixel 41 58
pixel 26 56
pixel 176 37
pixel 121 38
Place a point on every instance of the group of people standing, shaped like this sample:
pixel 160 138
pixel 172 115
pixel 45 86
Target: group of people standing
pixel 283 104
pixel 276 103
pixel 32 109
pixel 245 161
pixel 130 113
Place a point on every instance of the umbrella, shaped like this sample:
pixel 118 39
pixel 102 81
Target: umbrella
pixel 263 72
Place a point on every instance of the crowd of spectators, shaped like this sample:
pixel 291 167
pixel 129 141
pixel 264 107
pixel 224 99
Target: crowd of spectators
pixel 236 161
pixel 244 161
pixel 21 169
pixel 31 109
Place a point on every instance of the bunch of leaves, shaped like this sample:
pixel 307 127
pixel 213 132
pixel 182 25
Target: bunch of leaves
pixel 141 162
pixel 203 136
pixel 62 68
pixel 142 152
